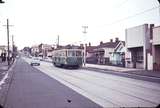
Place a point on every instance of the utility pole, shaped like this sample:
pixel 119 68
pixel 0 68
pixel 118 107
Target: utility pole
pixel 13 53
pixel 12 42
pixel 8 58
pixel 84 32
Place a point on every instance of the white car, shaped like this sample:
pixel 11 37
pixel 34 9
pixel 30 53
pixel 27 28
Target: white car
pixel 48 59
pixel 35 61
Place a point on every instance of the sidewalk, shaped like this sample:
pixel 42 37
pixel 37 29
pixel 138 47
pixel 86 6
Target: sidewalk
pixel 3 69
pixel 6 74
pixel 124 70
pixel 3 66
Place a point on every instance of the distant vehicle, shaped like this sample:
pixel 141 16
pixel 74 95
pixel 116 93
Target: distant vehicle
pixel 35 61
pixel 29 56
pixel 48 59
pixel 40 58
pixel 17 56
pixel 68 58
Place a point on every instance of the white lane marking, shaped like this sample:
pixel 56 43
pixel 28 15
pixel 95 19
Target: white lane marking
pixel 3 80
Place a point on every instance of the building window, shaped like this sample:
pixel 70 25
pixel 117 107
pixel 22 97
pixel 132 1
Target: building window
pixel 139 56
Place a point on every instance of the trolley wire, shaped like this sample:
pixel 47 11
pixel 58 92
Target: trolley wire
pixel 122 3
pixel 132 16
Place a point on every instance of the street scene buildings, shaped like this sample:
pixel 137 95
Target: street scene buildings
pixel 156 48
pixel 138 55
pixel 51 61
pixel 139 50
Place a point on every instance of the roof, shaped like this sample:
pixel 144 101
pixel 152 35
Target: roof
pixel 108 45
pixel 3 46
pixel 68 47
pixel 156 27
pixel 119 44
pixel 91 48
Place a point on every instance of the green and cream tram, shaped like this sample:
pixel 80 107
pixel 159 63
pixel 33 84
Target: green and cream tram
pixel 68 57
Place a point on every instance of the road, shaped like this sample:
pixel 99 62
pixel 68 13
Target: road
pixel 105 89
pixel 31 88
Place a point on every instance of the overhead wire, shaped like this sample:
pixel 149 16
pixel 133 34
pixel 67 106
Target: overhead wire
pixel 132 16
pixel 122 3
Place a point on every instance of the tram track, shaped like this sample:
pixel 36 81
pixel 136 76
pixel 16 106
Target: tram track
pixel 83 79
pixel 74 85
pixel 135 84
pixel 119 92
pixel 64 76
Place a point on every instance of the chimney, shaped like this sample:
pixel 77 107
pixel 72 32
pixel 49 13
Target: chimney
pixel 111 40
pixel 101 42
pixel 86 45
pixel 151 31
pixel 117 39
pixel 81 46
pixel 89 44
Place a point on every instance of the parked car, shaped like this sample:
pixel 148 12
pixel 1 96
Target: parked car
pixel 35 61
pixel 40 58
pixel 29 56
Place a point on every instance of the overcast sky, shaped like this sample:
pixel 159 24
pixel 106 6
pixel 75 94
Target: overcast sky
pixel 40 21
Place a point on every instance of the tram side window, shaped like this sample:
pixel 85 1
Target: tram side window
pixel 78 53
pixel 66 53
pixel 71 53
pixel 55 54
pixel 63 53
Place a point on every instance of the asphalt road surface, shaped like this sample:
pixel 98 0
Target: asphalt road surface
pixel 104 89
pixel 30 88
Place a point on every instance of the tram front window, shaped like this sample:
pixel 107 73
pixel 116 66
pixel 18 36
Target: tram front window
pixel 71 53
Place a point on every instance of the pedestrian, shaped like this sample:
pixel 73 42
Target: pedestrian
pixel 4 57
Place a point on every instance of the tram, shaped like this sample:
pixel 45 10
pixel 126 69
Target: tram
pixel 68 58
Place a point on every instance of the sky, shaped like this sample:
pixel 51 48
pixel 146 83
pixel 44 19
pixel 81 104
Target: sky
pixel 41 21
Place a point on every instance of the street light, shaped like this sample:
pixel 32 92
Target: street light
pixel 84 32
